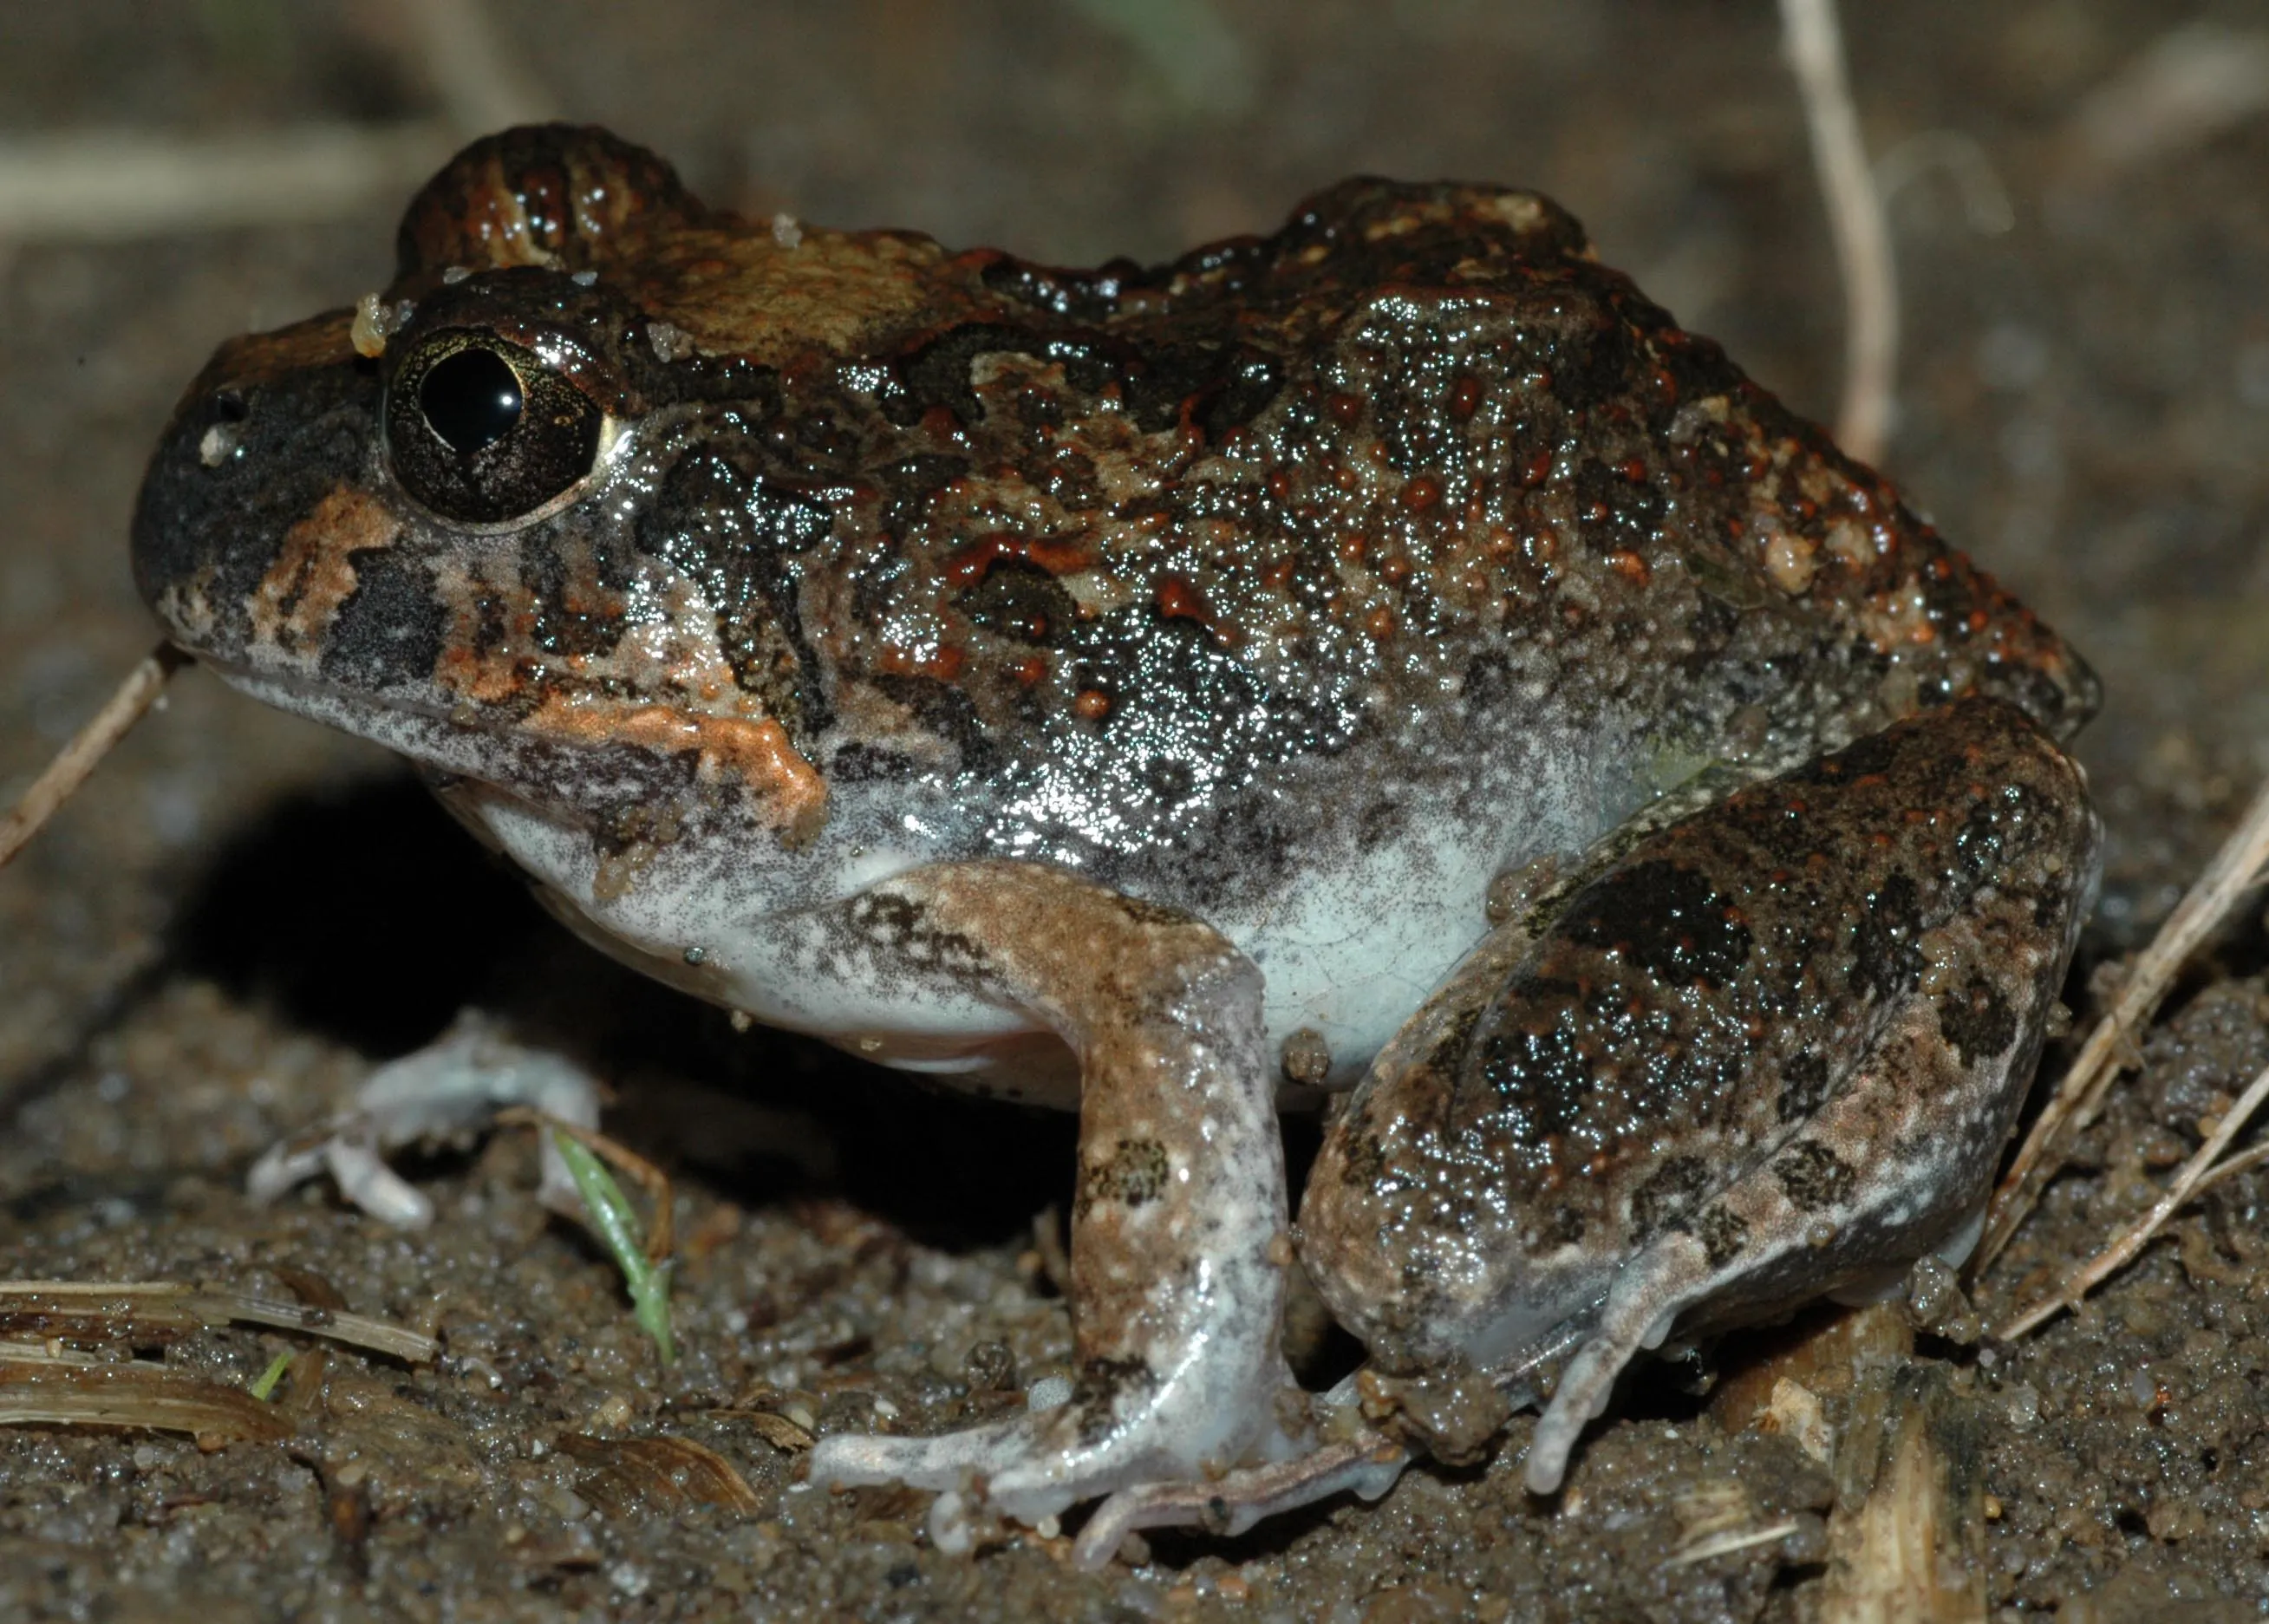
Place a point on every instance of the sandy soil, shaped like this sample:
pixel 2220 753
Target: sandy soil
pixel 244 913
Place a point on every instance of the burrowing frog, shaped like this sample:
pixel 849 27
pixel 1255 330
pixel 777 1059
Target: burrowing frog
pixel 1388 654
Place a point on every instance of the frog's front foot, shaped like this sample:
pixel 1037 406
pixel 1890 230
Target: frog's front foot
pixel 453 1086
pixel 1343 1453
pixel 1147 1445
pixel 1180 1236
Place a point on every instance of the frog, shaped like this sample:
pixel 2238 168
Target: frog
pixel 1386 663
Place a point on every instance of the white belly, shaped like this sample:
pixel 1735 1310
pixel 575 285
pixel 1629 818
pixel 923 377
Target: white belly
pixel 1347 955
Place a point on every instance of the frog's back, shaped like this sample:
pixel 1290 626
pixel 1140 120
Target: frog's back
pixel 1204 577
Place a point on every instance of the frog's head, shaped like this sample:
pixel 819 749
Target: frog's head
pixel 512 517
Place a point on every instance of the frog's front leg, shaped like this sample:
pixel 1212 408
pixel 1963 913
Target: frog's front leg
pixel 1178 1231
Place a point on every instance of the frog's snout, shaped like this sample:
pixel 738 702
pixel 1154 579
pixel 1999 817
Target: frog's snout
pixel 276 427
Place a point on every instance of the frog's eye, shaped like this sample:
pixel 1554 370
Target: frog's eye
pixel 482 430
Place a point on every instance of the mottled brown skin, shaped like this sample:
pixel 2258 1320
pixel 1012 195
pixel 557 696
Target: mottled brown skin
pixel 1418 438
pixel 1703 1008
pixel 954 656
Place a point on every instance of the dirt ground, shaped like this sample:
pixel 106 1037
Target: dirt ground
pixel 244 913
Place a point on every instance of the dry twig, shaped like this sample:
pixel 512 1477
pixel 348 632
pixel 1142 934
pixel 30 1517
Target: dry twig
pixel 87 748
pixel 1855 216
pixel 2197 1174
pixel 2110 1048
pixel 162 1311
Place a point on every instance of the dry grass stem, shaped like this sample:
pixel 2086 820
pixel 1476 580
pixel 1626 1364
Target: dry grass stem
pixel 87 748
pixel 2189 86
pixel 1731 1540
pixel 482 82
pixel 162 1311
pixel 2197 1174
pixel 2112 1046
pixel 133 1395
pixel 1855 216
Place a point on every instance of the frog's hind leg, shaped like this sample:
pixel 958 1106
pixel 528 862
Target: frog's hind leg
pixel 1934 1096
pixel 1179 1235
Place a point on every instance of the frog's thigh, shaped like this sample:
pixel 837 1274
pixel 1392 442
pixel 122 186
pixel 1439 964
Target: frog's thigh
pixel 1179 1241
pixel 1895 1162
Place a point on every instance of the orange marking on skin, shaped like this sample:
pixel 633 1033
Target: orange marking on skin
pixel 788 792
pixel 294 603
pixel 942 663
pixel 967 565
pixel 1179 599
pixel 1059 557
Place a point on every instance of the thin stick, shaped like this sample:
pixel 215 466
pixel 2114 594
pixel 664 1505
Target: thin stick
pixel 2111 1048
pixel 1726 1544
pixel 1855 216
pixel 80 758
pixel 2196 1173
pixel 2243 1162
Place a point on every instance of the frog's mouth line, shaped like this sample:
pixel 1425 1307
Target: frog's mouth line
pixel 576 765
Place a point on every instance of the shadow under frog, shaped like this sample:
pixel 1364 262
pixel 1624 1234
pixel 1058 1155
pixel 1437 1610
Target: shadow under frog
pixel 1126 688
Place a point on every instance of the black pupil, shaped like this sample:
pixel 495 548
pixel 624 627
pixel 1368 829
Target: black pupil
pixel 471 400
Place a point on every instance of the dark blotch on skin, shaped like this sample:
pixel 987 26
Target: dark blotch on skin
pixel 1020 601
pixel 1803 1085
pixel 1134 1173
pixel 1095 1393
pixel 1886 957
pixel 1667 1193
pixel 910 483
pixel 390 629
pixel 719 523
pixel 1543 1077
pixel 1566 1226
pixel 1977 1020
pixel 1722 1235
pixel 1665 918
pixel 900 926
pixel 937 375
pixel 948 712
pixel 1813 1176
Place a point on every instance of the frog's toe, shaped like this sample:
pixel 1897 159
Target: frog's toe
pixel 1638 1314
pixel 1035 1466
pixel 453 1086
pixel 1229 1505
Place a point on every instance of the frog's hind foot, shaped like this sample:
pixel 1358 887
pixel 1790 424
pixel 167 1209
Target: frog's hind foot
pixel 454 1086
pixel 1228 1506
